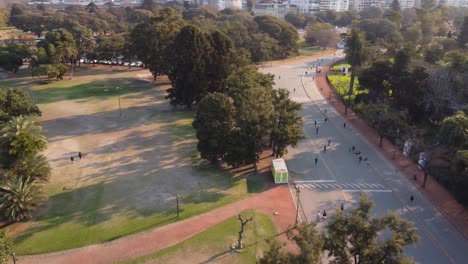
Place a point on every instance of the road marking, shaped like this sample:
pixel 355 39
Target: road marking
pixel 364 190
pixel 315 181
pixel 300 99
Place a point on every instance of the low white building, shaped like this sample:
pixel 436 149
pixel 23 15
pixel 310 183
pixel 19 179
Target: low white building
pixel 273 9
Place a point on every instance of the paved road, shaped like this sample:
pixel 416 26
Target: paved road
pixel 338 176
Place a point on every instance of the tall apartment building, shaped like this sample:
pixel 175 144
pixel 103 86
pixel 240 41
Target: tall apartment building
pixel 306 6
pixel 337 5
pixel 455 3
pixel 222 4
pixel 86 2
pixel 359 5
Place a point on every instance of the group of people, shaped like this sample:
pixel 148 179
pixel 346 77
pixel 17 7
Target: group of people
pixel 359 154
pixel 72 159
pixel 321 216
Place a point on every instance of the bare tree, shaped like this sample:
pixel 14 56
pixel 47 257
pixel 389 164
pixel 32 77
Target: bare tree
pixel 241 232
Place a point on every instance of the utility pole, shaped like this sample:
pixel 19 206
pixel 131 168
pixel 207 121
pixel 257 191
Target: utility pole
pixel 118 96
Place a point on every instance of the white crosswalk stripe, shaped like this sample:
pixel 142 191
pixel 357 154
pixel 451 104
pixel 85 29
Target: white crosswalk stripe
pixel 347 187
pixel 299 99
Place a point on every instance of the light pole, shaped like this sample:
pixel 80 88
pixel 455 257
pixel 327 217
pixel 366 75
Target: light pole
pixel 177 203
pixel 298 191
pixel 118 96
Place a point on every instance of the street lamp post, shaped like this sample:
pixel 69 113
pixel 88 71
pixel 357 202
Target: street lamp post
pixel 298 191
pixel 118 97
pixel 177 202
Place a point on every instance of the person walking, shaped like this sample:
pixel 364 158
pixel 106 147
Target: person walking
pixel 324 215
pixel 411 198
pixel 353 148
pixel 360 159
pixel 329 141
pixel 294 89
pixel 80 155
pixel 324 148
pixel 316 131
pixel 326 119
pixel 72 159
pixel 315 122
pixel 342 206
pixel 325 111
pixel 316 160
pixel 13 256
pixel 344 125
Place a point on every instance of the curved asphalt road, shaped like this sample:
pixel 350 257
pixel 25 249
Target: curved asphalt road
pixel 339 176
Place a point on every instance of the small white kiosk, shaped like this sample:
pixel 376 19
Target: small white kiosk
pixel 279 170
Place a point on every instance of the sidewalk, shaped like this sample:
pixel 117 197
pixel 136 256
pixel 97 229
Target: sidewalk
pixel 456 213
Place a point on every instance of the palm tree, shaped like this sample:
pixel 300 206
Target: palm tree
pixel 354 56
pixel 34 167
pixel 24 136
pixel 67 52
pixel 18 198
pixel 21 125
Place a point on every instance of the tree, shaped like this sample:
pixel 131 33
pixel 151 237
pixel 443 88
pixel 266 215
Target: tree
pixel 274 254
pixel 67 53
pixel 221 60
pixel 34 168
pixel 375 79
pixel 15 102
pixel 148 5
pixel 454 131
pixel 463 35
pixel 357 236
pixel 12 56
pixel 371 12
pixel 295 19
pixel 18 198
pixel 50 71
pixel 385 120
pixel 192 51
pixel 214 123
pixel 283 32
pixel 152 41
pixel 241 231
pixel 355 56
pixel 6 247
pixel 91 8
pixel 287 123
pixel 395 6
pixel 312 32
pixel 23 137
pixel 250 4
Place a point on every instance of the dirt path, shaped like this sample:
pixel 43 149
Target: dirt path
pixel 276 199
pixel 437 194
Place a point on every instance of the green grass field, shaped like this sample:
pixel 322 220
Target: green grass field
pixel 133 188
pixel 213 244
pixel 340 84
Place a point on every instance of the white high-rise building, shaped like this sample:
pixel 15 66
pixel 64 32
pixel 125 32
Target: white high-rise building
pixel 306 6
pixel 362 4
pixel 455 3
pixel 337 5
pixel 223 4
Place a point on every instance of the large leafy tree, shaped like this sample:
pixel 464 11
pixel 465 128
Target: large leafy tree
pixel 33 168
pixel 358 236
pixel 308 240
pixel 221 62
pixel 214 123
pixel 12 56
pixel 150 41
pixel 18 198
pixel 287 123
pixel 454 131
pixel 15 102
pixel 283 32
pixel 192 50
pixel 355 56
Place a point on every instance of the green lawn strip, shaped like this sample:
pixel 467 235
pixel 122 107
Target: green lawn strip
pixel 217 240
pixel 340 84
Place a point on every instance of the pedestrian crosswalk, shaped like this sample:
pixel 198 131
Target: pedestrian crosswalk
pixel 300 99
pixel 349 187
